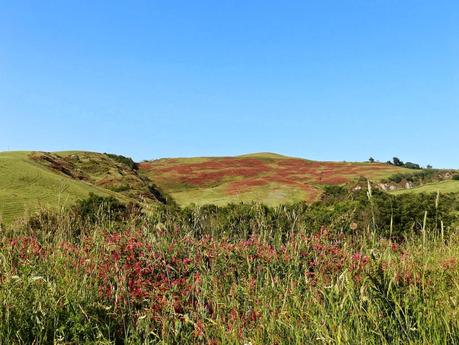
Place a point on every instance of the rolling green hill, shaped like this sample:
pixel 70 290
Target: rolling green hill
pixel 265 177
pixel 33 180
pixel 25 186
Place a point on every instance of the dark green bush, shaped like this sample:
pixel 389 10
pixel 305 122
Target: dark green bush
pixel 406 212
pixel 337 211
pixel 421 176
pixel 160 195
pixel 410 165
pixel 96 207
pixel 124 160
pixel 333 192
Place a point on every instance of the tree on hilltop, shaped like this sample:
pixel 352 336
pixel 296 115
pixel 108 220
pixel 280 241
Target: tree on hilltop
pixel 397 162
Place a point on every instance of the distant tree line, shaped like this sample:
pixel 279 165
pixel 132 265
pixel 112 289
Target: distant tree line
pixel 399 163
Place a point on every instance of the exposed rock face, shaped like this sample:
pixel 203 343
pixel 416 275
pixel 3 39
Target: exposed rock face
pixel 59 164
pixel 387 186
pixel 408 185
pixel 447 176
pixel 383 186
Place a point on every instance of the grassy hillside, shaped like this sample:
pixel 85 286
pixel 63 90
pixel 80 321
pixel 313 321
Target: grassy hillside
pixel 25 185
pixel 115 173
pixel 450 186
pixel 269 178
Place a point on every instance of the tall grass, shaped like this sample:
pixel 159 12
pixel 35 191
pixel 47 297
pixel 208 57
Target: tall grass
pixel 185 279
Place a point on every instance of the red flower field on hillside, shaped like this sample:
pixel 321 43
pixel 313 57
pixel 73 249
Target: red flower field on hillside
pixel 271 178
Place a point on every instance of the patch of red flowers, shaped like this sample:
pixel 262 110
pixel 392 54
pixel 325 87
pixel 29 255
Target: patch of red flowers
pixel 131 273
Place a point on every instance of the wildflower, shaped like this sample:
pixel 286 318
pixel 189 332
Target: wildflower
pixel 449 263
pixel 198 329
pixel 359 260
pixel 357 257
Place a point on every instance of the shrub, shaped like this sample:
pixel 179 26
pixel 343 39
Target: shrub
pixel 123 160
pixel 95 207
pixel 420 176
pixel 410 165
pixel 160 195
pixel 397 178
pixel 334 191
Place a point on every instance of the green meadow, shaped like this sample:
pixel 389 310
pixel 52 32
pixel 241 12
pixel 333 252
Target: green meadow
pixel 450 186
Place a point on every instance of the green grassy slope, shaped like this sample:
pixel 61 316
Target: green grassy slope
pixel 449 186
pixel 271 195
pixel 264 177
pixel 26 186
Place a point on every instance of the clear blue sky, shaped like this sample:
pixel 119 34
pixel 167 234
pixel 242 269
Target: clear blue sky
pixel 327 80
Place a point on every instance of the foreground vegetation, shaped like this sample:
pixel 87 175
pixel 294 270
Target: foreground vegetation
pixel 356 268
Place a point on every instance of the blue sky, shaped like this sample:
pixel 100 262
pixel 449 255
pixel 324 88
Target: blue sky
pixel 327 80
